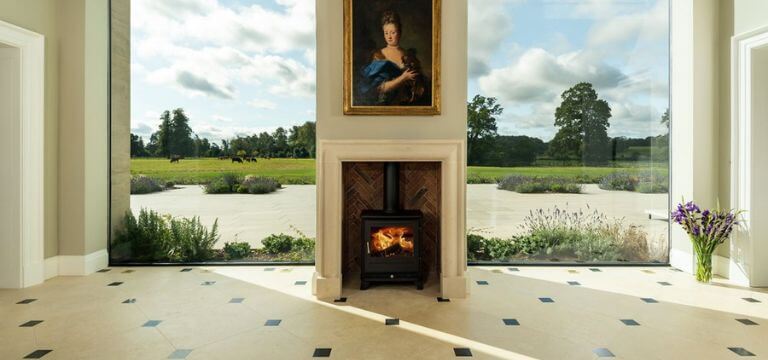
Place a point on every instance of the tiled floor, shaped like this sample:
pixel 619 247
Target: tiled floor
pixel 249 313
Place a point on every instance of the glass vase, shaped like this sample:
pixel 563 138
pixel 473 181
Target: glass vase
pixel 703 266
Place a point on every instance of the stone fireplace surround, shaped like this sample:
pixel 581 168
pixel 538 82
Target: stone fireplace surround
pixel 327 279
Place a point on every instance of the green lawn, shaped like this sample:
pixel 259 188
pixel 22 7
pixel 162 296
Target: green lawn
pixel 302 171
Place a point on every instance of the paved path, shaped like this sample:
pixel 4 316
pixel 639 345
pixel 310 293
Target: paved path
pixel 496 212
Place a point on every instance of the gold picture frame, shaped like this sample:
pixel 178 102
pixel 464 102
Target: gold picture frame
pixel 372 85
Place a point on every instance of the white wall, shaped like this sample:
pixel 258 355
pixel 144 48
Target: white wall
pixel 40 16
pixel 694 111
pixel 10 162
pixel 332 124
pixel 759 211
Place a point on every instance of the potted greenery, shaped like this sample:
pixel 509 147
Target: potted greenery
pixel 707 229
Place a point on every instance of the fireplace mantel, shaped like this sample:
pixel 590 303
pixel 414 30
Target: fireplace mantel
pixel 326 282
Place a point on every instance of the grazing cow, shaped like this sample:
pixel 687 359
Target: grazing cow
pixel 237 159
pixel 175 158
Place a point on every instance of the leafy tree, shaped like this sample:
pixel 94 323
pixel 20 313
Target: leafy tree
pixel 583 121
pixel 280 143
pixel 481 125
pixel 161 140
pixel 181 141
pixel 137 146
pixel 665 118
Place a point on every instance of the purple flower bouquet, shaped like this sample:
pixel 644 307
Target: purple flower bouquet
pixel 707 229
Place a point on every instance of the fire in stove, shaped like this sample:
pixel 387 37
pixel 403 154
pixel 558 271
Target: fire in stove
pixel 391 241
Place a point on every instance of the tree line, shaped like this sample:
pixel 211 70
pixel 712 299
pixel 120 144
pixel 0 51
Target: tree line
pixel 582 138
pixel 175 137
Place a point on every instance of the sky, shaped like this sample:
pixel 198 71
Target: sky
pixel 240 67
pixel 235 67
pixel 527 53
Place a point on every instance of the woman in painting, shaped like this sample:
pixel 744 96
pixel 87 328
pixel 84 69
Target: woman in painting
pixel 394 75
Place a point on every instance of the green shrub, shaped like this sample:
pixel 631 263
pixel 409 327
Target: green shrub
pixel 479 179
pixel 159 238
pixel 528 184
pixel 142 184
pixel 144 239
pixel 644 182
pixel 191 241
pixel 277 243
pixel 230 183
pixel 224 184
pixel 170 184
pixel 569 235
pixel 619 181
pixel 258 185
pixel 290 248
pixel 237 250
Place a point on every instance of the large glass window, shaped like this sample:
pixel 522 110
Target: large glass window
pixel 568 130
pixel 222 132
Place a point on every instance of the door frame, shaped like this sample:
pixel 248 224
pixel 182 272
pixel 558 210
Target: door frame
pixel 31 46
pixel 746 256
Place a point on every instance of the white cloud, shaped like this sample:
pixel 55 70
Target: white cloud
pixel 220 118
pixel 489 24
pixel 263 104
pixel 539 75
pixel 650 25
pixel 200 47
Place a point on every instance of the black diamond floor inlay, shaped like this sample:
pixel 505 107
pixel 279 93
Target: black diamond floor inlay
pixel 269 269
pixel 236 300
pixel 650 300
pixel 546 300
pixel 511 322
pixel 648 272
pixel 208 283
pixel 116 283
pixel 513 269
pixel 741 351
pixel 496 271
pixel 664 283
pixel 747 322
pixel 274 322
pixel 340 300
pixel 128 271
pixel 31 323
pixel 152 323
pixel 482 282
pixel 26 301
pixel 574 283
pixel 440 299
pixel 595 270
pixel 180 354
pixel 462 352
pixel 104 270
pixel 300 283
pixel 129 301
pixel 322 352
pixel 630 322
pixel 751 300
pixel 391 321
pixel 603 352
pixel 37 354
pixel 573 272
pixel 186 270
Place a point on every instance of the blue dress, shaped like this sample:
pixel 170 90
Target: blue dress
pixel 372 76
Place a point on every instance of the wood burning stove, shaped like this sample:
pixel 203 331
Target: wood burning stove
pixel 391 243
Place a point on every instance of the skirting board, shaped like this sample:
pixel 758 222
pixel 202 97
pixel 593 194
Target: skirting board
pixel 76 265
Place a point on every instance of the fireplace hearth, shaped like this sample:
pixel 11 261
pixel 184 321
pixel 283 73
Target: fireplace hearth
pixel 391 238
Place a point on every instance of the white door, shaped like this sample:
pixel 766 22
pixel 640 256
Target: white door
pixel 10 167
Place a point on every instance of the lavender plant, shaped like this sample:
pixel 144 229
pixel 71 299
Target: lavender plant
pixel 707 229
